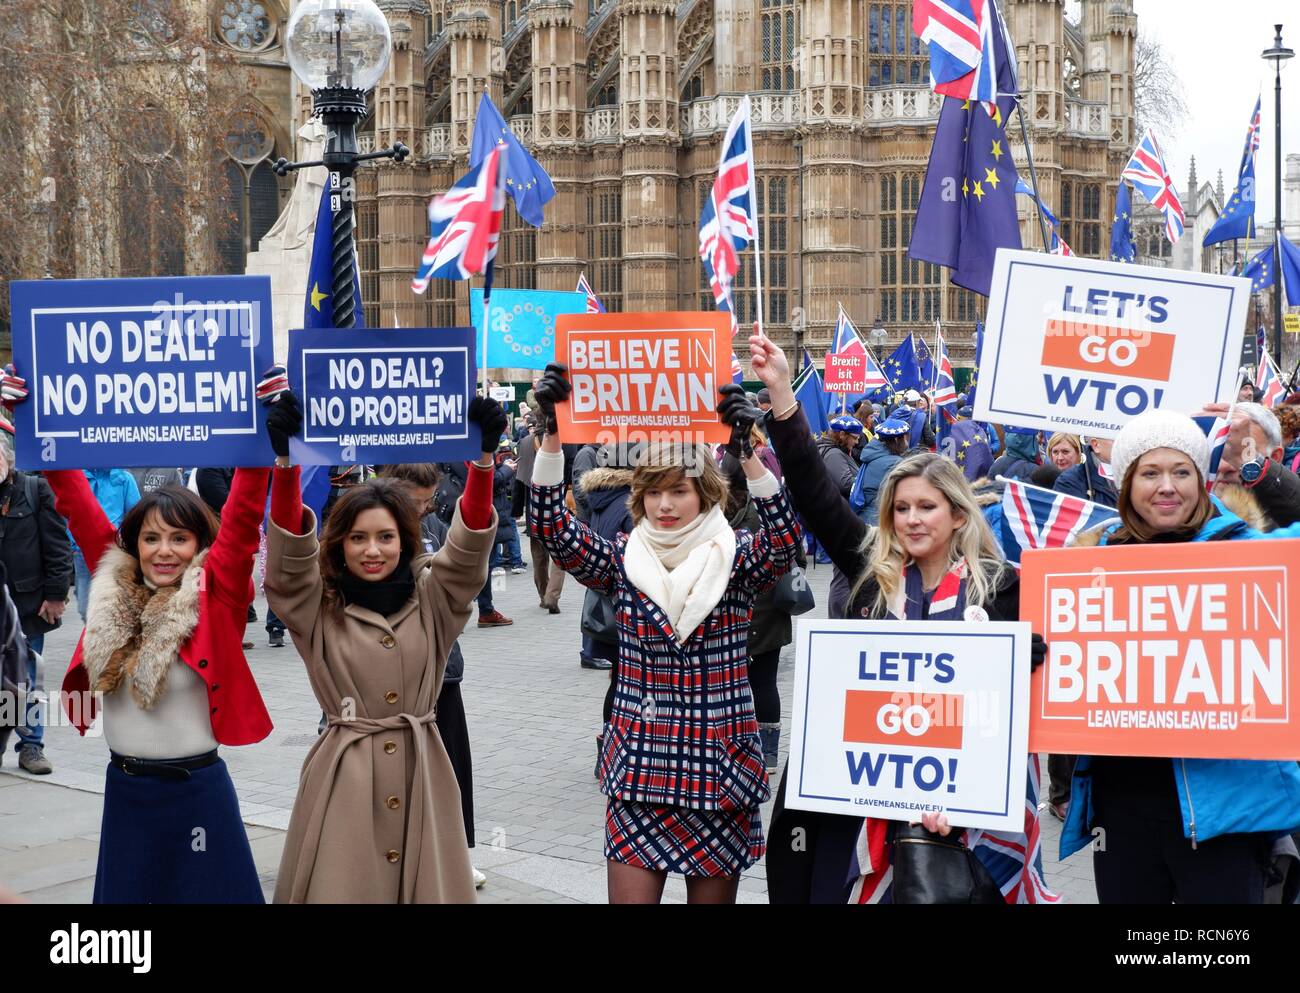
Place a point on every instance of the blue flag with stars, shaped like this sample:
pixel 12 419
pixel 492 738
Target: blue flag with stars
pixel 903 369
pixel 1261 271
pixel 526 182
pixel 1291 272
pixel 1122 248
pixel 968 205
pixel 1238 217
pixel 318 307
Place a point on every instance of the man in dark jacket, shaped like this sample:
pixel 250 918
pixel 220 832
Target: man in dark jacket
pixel 604 490
pixel 37 558
pixel 14 665
pixel 1091 478
pixel 1020 459
pixel 454 485
pixel 1253 458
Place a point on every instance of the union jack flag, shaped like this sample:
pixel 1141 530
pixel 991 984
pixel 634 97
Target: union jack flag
pixel 1015 861
pixel 1252 139
pixel 727 222
pixel 848 342
pixel 945 387
pixel 963 63
pixel 594 306
pixel 465 225
pixel 1146 170
pixel 1058 245
pixel 1218 435
pixel 1269 382
pixel 1033 517
pixel 737 370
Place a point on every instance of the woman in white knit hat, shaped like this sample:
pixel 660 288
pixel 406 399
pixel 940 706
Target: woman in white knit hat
pixel 1184 830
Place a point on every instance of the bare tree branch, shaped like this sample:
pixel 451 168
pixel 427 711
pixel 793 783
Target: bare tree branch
pixel 1160 101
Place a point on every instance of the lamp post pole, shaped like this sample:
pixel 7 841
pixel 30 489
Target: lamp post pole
pixel 341 106
pixel 1277 55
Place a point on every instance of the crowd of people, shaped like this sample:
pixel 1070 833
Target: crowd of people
pixel 689 558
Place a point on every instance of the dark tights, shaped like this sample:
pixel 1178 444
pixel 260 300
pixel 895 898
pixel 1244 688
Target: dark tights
pixel 762 684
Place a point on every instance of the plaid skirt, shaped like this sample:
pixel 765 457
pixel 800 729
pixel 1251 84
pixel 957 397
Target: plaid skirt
pixel 678 839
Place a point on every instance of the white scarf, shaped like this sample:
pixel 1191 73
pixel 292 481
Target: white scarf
pixel 686 570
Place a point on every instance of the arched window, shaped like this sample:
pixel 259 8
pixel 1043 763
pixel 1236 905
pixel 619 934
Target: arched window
pixel 250 190
pixel 896 55
pixel 780 36
pixel 608 95
pixel 151 202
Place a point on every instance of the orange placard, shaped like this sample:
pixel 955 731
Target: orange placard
pixel 1182 650
pixel 639 377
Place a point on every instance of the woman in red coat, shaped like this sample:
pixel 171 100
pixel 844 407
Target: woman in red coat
pixel 162 655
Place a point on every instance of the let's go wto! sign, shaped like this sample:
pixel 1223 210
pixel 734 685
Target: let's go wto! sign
pixel 1085 346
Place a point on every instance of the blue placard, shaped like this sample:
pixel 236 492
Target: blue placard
pixel 142 372
pixel 383 396
pixel 521 334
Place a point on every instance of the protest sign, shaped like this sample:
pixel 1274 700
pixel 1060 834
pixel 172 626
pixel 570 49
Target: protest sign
pixel 894 719
pixel 1180 650
pixel 142 372
pixel 638 377
pixel 1080 345
pixel 521 332
pixel 502 394
pixel 383 396
pixel 846 372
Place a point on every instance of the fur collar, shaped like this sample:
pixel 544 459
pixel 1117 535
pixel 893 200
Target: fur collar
pixel 1236 499
pixel 134 631
pixel 605 478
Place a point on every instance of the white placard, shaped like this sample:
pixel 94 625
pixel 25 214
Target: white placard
pixel 893 718
pixel 1084 346
pixel 502 394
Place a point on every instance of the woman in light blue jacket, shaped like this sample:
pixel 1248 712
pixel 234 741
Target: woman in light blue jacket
pixel 1178 830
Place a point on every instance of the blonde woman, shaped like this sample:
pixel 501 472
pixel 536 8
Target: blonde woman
pixel 932 557
pixel 681 760
pixel 1064 450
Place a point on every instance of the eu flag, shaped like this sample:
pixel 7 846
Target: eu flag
pixel 1261 271
pixel 318 309
pixel 1291 272
pixel 968 206
pixel 526 182
pixel 903 370
pixel 1238 217
pixel 522 329
pixel 1122 248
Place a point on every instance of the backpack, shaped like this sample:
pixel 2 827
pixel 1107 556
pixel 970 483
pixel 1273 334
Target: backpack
pixel 450 488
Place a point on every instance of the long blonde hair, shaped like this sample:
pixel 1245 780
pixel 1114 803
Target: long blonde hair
pixel 973 540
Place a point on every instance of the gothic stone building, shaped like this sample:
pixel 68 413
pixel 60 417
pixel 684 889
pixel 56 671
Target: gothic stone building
pixel 624 103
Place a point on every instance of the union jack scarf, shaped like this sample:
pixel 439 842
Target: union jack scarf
pixel 1015 861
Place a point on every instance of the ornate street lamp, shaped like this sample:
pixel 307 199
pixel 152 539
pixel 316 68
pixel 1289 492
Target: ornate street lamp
pixel 340 49
pixel 1278 56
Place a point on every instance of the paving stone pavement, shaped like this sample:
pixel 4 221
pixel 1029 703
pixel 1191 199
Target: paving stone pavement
pixel 533 715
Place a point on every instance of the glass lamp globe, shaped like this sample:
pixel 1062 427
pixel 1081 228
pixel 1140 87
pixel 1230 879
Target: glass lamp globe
pixel 338 43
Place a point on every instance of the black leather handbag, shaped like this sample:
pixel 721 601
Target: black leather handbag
pixel 600 618
pixel 792 594
pixel 930 869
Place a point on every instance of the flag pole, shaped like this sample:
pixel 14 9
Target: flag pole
pixel 1033 175
pixel 487 310
pixel 758 248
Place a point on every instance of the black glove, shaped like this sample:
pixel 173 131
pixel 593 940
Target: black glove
pixel 739 413
pixel 283 421
pixel 553 388
pixel 491 421
pixel 1037 651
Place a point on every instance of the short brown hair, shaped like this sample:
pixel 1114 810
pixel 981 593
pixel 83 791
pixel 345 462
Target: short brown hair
pixel 178 507
pixel 1134 528
pixel 386 494
pixel 1288 416
pixel 421 474
pixel 664 465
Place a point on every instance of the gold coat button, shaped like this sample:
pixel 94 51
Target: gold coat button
pixel 388 641
pixel 390 747
pixel 393 855
pixel 391 696
pixel 393 803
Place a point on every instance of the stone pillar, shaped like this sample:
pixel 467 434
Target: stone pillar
pixel 477 63
pixel 835 196
pixel 559 70
pixel 648 94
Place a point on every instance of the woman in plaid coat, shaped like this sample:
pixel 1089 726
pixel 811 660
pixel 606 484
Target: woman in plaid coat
pixel 681 761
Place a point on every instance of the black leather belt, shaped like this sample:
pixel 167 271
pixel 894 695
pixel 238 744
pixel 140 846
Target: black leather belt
pixel 163 768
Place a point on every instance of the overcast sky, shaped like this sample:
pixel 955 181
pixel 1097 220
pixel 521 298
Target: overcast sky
pixel 1215 48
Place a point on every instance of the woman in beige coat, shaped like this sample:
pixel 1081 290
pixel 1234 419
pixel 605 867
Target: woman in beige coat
pixel 377 818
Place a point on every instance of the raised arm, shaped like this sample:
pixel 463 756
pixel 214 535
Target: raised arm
pixel 576 549
pixel 813 492
pixel 90 526
pixel 229 566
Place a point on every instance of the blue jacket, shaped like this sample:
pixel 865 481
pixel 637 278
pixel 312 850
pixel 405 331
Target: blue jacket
pixel 115 491
pixel 1217 796
pixel 877 460
pixel 1079 480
